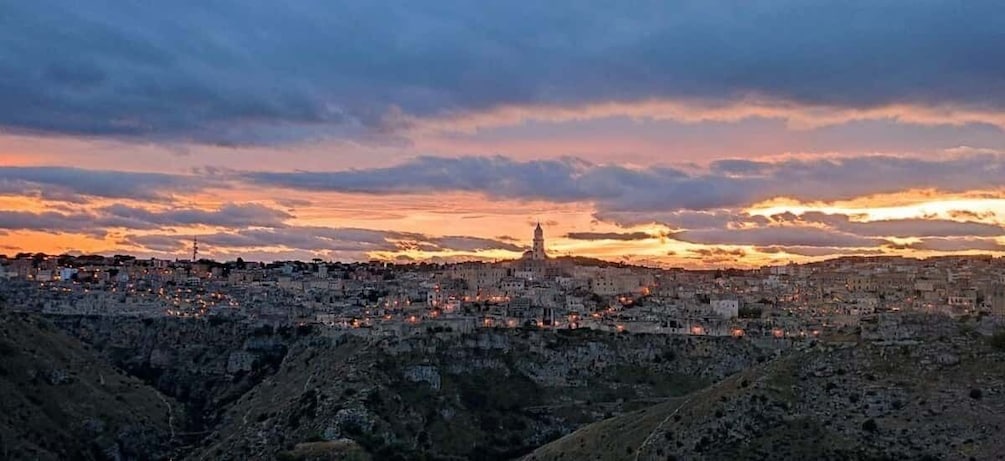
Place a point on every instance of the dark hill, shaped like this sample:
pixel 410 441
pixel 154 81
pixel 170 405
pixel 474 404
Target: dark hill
pixel 58 400
pixel 940 397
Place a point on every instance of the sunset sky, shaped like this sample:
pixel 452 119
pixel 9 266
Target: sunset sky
pixel 676 133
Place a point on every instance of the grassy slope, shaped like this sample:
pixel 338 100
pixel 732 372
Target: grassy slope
pixel 608 440
pixel 814 405
pixel 59 401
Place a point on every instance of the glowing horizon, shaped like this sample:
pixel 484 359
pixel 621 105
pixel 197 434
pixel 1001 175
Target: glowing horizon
pixel 281 135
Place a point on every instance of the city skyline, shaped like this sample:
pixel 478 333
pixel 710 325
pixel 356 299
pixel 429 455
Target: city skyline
pixel 530 253
pixel 681 134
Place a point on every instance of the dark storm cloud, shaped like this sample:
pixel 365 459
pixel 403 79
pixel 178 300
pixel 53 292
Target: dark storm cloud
pixel 956 244
pixel 97 222
pixel 912 227
pixel 310 238
pixel 812 251
pixel 776 236
pixel 302 238
pixel 75 184
pixel 617 189
pixel 466 243
pixel 819 234
pixel 244 226
pixel 716 255
pixel 627 236
pixel 250 71
pixel 50 222
pixel 229 215
pixel 496 176
pixel 682 219
pixel 160 243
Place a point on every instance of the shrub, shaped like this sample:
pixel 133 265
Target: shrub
pixel 976 394
pixel 374 399
pixel 870 425
pixel 998 340
pixel 287 456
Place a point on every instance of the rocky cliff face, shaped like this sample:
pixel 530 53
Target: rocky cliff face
pixel 494 394
pixel 205 365
pixel 933 392
pixel 59 400
pixel 937 397
pixel 488 395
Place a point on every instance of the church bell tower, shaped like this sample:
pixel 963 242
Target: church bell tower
pixel 537 251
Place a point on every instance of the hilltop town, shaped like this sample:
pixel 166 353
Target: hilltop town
pixel 378 299
pixel 327 360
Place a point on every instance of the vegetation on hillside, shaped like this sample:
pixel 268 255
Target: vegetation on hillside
pixel 60 401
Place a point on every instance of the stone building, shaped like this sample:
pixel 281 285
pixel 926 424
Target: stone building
pixel 998 300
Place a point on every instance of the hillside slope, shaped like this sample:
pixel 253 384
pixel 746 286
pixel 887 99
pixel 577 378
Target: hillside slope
pixel 941 397
pixel 189 360
pixel 487 395
pixel 58 400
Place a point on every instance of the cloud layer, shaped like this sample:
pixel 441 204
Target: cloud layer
pixel 617 189
pixel 422 128
pixel 699 206
pixel 99 221
pixel 352 243
pixel 250 72
pixel 75 184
